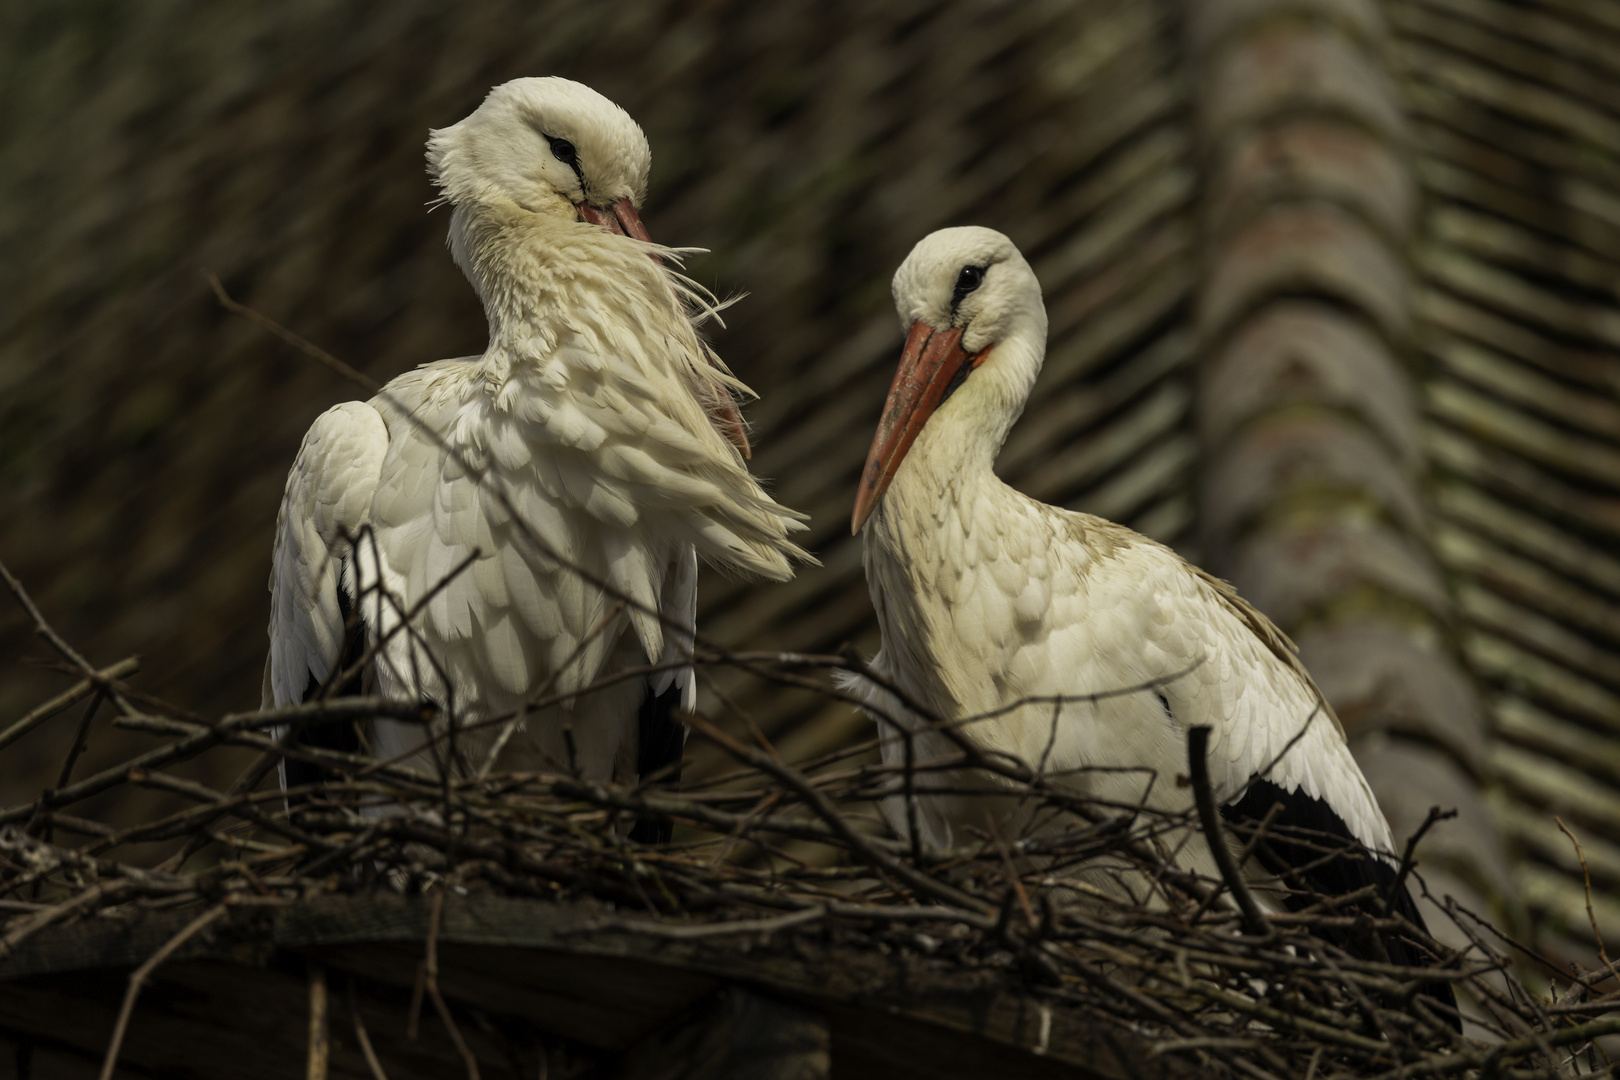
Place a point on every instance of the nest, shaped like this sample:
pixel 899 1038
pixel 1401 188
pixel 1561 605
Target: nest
pixel 779 850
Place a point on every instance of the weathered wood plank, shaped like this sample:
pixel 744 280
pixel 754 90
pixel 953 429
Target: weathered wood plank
pixel 549 971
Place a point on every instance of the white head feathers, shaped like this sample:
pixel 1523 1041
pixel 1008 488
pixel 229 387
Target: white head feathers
pixel 543 144
pixel 929 286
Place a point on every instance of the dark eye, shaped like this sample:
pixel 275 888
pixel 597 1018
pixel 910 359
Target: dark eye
pixel 564 151
pixel 969 279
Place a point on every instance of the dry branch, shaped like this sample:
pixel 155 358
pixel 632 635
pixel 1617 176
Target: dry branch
pixel 138 977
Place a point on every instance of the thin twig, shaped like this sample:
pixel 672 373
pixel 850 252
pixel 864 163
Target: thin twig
pixel 138 977
pixel 430 982
pixel 57 642
pixel 207 738
pixel 1399 884
pixel 1254 920
pixel 1591 916
pixel 81 739
pixel 362 1037
pixel 313 351
pixel 698 931
pixel 320 1046
pixel 39 920
pixel 67 699
pixel 836 821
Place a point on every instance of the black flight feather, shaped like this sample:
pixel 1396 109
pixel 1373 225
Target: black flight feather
pixel 1311 850
pixel 661 739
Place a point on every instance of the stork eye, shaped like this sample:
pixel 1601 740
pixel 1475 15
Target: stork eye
pixel 969 279
pixel 564 151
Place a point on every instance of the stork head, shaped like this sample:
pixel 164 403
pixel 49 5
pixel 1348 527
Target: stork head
pixel 975 334
pixel 549 146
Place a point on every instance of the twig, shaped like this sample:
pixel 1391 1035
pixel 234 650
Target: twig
pixel 138 978
pixel 1014 882
pixel 314 352
pixel 319 1025
pixel 1254 920
pixel 362 1037
pixel 67 699
pixel 1447 1064
pixel 697 931
pixel 1435 816
pixel 57 642
pixel 413 1015
pixel 909 791
pixel 430 982
pixel 1591 916
pixel 73 904
pixel 246 781
pixel 836 821
pixel 200 741
pixel 81 739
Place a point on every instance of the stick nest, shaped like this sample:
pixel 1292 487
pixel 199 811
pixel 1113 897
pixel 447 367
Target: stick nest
pixel 778 849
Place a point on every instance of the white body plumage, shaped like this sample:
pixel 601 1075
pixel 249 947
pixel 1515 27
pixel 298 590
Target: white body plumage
pixel 587 430
pixel 986 597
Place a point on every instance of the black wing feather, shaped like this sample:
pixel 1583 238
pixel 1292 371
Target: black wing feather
pixel 1311 849
pixel 343 735
pixel 661 740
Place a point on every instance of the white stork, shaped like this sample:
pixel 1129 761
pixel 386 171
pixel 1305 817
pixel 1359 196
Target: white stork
pixel 596 415
pixel 986 597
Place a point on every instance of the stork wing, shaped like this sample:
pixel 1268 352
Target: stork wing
pixel 1317 802
pixel 1225 665
pixel 327 500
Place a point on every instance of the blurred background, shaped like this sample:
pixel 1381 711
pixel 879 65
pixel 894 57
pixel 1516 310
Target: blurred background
pixel 1334 288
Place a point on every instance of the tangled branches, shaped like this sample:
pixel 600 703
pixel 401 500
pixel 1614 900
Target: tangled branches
pixel 1086 909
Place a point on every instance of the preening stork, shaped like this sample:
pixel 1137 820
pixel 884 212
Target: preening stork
pixel 596 433
pixel 986 597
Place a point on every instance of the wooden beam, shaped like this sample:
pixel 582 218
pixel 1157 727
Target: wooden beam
pixel 740 1034
pixel 548 974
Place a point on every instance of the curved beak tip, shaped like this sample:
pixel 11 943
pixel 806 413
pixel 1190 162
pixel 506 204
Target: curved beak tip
pixel 620 217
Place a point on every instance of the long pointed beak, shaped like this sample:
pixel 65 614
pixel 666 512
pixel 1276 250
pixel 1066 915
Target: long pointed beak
pixel 929 370
pixel 620 217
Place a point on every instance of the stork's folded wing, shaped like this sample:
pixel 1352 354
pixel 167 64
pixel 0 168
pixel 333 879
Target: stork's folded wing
pixel 327 500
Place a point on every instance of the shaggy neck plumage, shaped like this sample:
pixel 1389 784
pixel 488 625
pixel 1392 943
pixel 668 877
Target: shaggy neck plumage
pixel 536 273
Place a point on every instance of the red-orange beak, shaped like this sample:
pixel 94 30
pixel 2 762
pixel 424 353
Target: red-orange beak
pixel 621 218
pixel 930 368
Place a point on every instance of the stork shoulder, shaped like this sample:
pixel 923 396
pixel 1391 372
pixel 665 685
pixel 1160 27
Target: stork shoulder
pixel 326 501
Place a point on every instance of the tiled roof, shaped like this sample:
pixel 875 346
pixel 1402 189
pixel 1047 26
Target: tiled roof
pixel 1518 150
